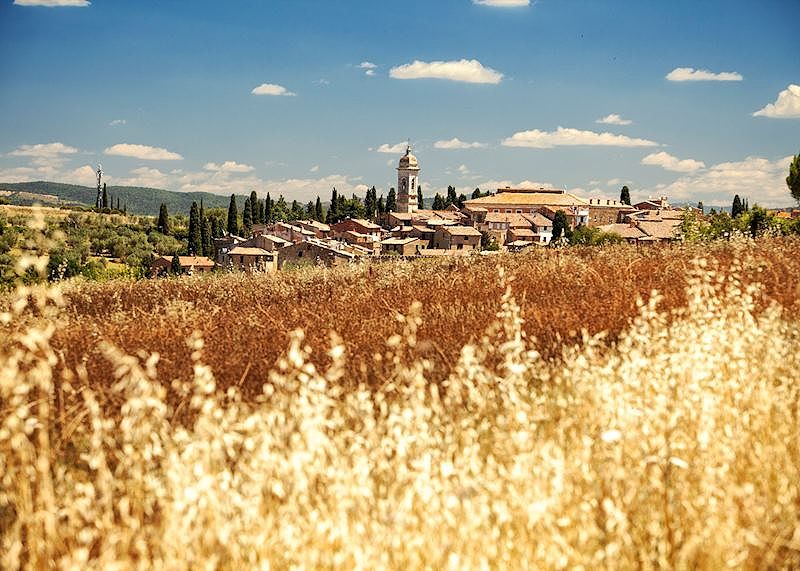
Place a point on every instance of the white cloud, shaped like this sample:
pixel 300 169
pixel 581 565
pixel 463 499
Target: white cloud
pixel 368 67
pixel 613 119
pixel 116 122
pixel 671 163
pixel 272 89
pixel 228 166
pixel 463 169
pixel 84 175
pixel 456 143
pixel 322 82
pixel 572 137
pixel 315 168
pixel 142 152
pixel 787 106
pixel 760 180
pixel 53 3
pixel 502 3
pixel 43 150
pixel 394 149
pixel 469 71
pixel 227 183
pixel 691 74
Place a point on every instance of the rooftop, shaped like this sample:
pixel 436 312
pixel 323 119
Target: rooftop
pixel 529 198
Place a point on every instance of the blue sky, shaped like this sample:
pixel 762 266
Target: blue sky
pixel 694 100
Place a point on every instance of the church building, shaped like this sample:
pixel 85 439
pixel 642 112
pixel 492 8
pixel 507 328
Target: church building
pixel 407 182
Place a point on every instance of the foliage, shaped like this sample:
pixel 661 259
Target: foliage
pixel 737 209
pixel 438 202
pixel 488 243
pixel 233 217
pixel 163 220
pixel 754 222
pixel 561 226
pixel 585 236
pixel 625 195
pixel 195 246
pixel 391 200
pixel 793 180
pixel 88 245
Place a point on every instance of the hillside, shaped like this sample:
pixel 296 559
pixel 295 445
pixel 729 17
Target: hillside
pixel 139 200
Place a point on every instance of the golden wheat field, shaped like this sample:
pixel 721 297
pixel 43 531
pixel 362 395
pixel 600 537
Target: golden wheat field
pixel 599 408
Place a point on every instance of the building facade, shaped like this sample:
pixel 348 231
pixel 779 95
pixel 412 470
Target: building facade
pixel 407 182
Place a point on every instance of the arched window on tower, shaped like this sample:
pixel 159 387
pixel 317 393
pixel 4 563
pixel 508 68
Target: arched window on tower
pixel 413 184
pixel 404 184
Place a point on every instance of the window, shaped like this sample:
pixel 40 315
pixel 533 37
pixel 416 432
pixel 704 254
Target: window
pixel 518 211
pixel 413 184
pixel 508 211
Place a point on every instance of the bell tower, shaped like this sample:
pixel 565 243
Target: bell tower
pixel 407 182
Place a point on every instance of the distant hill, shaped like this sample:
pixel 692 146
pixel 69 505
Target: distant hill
pixel 140 200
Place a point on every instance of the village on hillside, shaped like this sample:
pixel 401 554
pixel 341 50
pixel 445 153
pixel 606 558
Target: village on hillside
pixel 510 219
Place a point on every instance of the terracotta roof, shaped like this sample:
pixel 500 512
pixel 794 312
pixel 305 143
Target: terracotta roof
pixel 530 198
pixel 664 230
pixel 523 232
pixel 511 218
pixel 196 261
pixel 624 230
pixel 461 230
pixel 399 241
pixel 315 224
pixel 539 219
pixel 240 251
pixel 366 223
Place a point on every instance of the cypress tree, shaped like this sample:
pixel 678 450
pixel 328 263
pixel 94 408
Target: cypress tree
pixel 420 198
pixel 247 217
pixel 451 196
pixel 462 198
pixel 438 202
pixel 254 207
pixel 105 196
pixel 318 214
pixel 205 231
pixel 476 193
pixel 195 236
pixel 381 207
pixel 268 204
pixel 736 208
pixel 333 210
pixel 625 195
pixel 793 180
pixel 233 217
pixel 208 242
pixel 175 266
pixel 560 225
pixel 261 219
pixel 391 200
pixel 163 220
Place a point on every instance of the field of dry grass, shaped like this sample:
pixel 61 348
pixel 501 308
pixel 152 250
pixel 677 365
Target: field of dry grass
pixel 246 320
pixel 512 411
